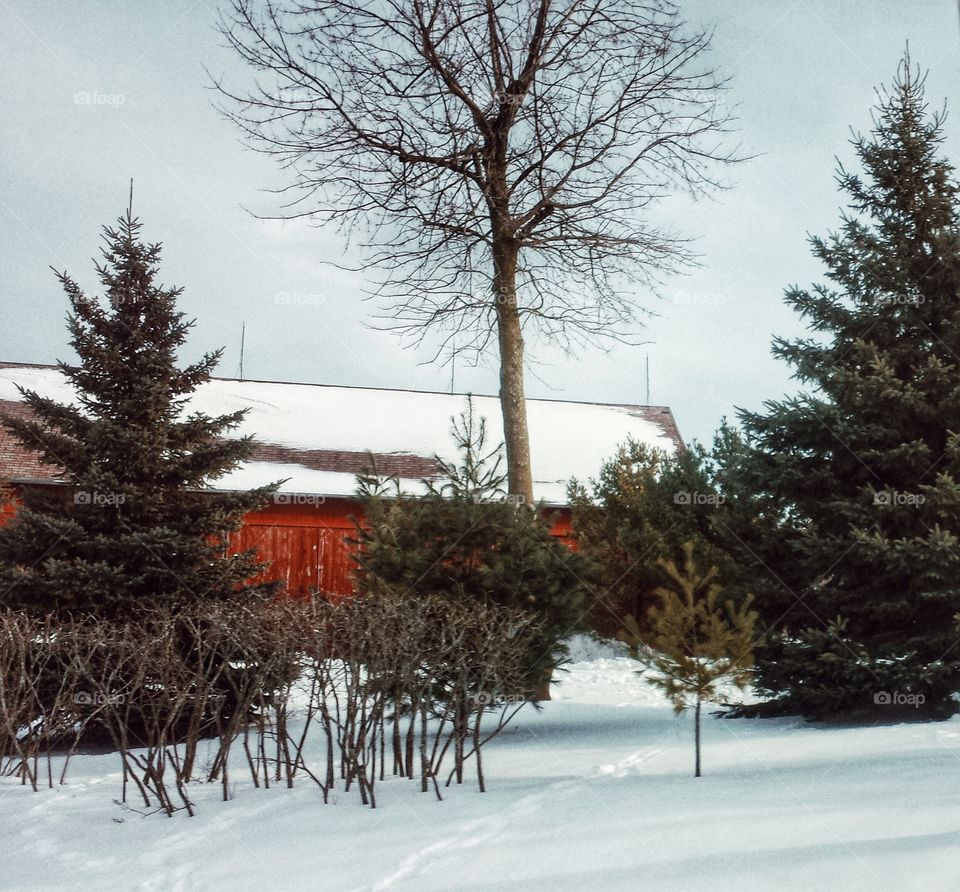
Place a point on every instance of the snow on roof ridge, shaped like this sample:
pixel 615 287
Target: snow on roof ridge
pixel 4 364
pixel 312 433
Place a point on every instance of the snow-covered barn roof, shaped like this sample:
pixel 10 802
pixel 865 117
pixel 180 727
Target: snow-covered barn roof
pixel 320 436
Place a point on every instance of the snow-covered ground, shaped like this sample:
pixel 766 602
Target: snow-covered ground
pixel 595 792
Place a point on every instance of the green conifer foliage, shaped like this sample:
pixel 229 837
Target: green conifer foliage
pixel 862 471
pixel 642 508
pixel 137 523
pixel 464 538
pixel 697 645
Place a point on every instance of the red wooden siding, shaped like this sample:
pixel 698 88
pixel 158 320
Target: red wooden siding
pixel 7 509
pixel 304 543
pixel 303 539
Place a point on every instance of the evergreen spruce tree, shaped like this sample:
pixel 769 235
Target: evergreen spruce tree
pixel 640 511
pixel 464 538
pixel 859 577
pixel 696 645
pixel 139 524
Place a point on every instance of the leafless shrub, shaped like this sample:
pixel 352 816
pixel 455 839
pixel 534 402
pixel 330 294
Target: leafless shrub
pixel 417 674
pixel 392 682
pixel 30 707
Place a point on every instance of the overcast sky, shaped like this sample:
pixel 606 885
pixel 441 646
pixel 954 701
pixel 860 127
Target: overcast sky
pixel 95 93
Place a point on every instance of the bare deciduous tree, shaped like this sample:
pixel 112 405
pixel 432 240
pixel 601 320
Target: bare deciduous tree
pixel 499 155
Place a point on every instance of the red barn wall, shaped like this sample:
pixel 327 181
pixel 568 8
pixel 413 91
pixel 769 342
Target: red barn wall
pixel 7 509
pixel 303 540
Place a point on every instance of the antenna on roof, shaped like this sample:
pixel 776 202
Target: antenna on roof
pixel 243 336
pixel 130 202
pixel 648 369
pixel 453 356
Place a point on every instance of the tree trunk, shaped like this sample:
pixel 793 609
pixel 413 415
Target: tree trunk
pixel 696 735
pixel 513 405
pixel 543 689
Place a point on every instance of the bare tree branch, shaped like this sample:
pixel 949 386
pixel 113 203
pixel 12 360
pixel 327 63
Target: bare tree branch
pixel 499 158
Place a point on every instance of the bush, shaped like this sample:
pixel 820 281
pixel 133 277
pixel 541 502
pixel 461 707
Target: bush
pixel 412 674
pixel 465 541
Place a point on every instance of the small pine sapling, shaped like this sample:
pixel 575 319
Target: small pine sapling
pixel 466 538
pixel 695 645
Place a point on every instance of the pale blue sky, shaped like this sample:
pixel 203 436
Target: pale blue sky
pixel 97 92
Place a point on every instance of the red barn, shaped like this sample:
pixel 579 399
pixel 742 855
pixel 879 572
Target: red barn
pixel 317 437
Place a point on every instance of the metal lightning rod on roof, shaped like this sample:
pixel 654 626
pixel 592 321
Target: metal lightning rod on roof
pixel 243 335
